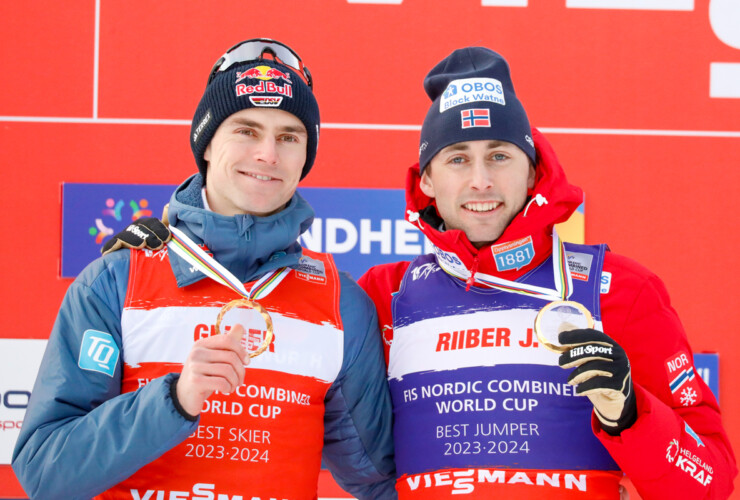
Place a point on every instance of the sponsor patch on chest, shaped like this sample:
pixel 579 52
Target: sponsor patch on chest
pixel 449 260
pixel 579 265
pixel 311 270
pixel 514 254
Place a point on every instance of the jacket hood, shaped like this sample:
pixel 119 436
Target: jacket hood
pixel 247 245
pixel 552 200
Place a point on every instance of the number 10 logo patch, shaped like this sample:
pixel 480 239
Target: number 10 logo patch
pixel 513 255
pixel 98 352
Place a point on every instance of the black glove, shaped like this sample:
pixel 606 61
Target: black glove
pixel 147 232
pixel 603 374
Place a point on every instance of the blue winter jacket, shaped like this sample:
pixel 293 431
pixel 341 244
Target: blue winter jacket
pixel 81 436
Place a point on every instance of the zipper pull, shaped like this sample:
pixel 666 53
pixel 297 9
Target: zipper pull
pixel 471 280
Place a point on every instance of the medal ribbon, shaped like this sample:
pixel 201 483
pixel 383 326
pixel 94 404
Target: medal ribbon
pixel 561 274
pixel 188 250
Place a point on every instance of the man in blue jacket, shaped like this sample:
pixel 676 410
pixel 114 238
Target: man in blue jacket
pixel 137 398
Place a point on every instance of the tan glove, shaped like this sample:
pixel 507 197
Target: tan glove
pixel 603 374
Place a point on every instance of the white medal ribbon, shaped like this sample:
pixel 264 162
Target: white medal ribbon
pixel 561 275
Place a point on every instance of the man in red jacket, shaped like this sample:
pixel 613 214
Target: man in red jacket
pixel 481 408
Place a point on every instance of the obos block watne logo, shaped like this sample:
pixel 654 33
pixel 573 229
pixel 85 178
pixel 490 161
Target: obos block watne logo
pixel 470 90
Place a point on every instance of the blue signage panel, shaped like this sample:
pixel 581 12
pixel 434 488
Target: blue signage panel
pixel 361 227
pixel 91 213
pixel 707 366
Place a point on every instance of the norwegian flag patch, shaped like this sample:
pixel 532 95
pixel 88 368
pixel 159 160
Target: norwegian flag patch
pixel 478 117
pixel 682 380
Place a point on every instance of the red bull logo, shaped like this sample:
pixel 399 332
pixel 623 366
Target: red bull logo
pixel 263 73
pixel 275 73
pixel 250 73
pixel 264 88
pixel 268 84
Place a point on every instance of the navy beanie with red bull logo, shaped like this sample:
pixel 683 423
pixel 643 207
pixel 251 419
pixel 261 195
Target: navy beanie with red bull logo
pixel 473 99
pixel 265 84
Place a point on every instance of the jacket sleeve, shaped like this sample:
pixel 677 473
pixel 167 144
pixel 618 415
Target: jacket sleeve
pixel 80 435
pixel 677 448
pixel 358 438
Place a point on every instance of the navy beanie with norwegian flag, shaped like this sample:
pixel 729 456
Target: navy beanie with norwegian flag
pixel 473 99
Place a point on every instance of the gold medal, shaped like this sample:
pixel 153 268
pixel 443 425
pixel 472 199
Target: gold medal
pixel 560 316
pixel 257 307
pixel 186 249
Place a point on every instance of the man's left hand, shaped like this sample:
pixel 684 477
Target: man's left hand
pixel 148 233
pixel 603 374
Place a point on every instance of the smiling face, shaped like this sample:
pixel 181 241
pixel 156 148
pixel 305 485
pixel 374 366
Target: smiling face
pixel 479 187
pixel 255 160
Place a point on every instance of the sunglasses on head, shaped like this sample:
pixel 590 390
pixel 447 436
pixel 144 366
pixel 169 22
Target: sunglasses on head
pixel 261 48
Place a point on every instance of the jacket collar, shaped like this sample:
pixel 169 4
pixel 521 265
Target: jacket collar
pixel 248 246
pixel 553 200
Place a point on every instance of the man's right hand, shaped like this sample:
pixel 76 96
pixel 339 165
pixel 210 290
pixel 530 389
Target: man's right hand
pixel 214 364
pixel 147 232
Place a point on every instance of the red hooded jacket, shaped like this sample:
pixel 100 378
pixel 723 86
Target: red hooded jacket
pixel 674 437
